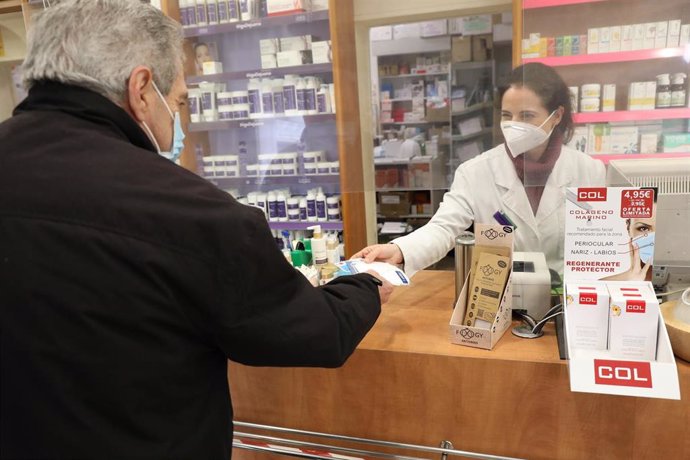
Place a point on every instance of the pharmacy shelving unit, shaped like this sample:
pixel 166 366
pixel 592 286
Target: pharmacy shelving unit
pixel 238 49
pixel 572 17
pixel 13 50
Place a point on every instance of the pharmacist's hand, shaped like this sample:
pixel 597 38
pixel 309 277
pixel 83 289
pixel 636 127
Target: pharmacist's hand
pixel 390 253
pixel 385 289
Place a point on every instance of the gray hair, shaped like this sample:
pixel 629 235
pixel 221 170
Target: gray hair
pixel 97 43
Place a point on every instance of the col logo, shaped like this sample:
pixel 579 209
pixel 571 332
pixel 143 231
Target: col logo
pixel 623 373
pixel 592 194
pixel 588 298
pixel 635 306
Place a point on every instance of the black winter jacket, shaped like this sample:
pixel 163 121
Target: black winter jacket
pixel 126 282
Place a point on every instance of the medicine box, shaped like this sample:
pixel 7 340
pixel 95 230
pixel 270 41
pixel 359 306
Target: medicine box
pixel 638 36
pixel 269 46
pixel 293 58
pixel 661 34
pixel 649 35
pixel 633 319
pixel 679 142
pixel 673 33
pixel 281 7
pixel 321 52
pixel 394 203
pixel 269 61
pixel 587 305
pixel 500 237
pixel 296 43
pixel 461 49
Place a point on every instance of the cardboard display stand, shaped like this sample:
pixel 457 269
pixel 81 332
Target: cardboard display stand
pixel 601 244
pixel 485 235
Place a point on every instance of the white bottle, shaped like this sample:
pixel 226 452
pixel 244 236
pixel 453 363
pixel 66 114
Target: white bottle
pixel 290 95
pixel 332 250
pixel 281 207
pixel 323 100
pixel 212 11
pixel 201 13
pixel 247 9
pixel 254 93
pixel 278 101
pixel 321 214
pixel 223 17
pixel 300 90
pixel 184 19
pixel 318 246
pixel 311 207
pixel 262 201
pixel 303 209
pixel 267 98
pixel 310 96
pixel 233 11
pixel 272 206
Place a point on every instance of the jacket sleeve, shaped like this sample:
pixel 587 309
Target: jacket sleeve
pixel 270 315
pixel 431 242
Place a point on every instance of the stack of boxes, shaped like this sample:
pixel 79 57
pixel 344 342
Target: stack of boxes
pixel 294 51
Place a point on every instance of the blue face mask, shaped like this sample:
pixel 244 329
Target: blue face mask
pixel 645 246
pixel 178 135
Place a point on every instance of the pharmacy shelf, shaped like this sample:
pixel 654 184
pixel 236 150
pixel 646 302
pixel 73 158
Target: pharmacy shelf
pixel 461 138
pixel 413 75
pixel 397 161
pixel 473 108
pixel 473 65
pixel 406 216
pixel 309 69
pixel 320 179
pixel 405 123
pixel 257 123
pixel 632 115
pixel 533 4
pixel 606 58
pixel 606 158
pixel 409 99
pixel 326 226
pixel 409 189
pixel 263 23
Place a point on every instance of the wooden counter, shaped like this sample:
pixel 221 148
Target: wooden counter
pixel 407 383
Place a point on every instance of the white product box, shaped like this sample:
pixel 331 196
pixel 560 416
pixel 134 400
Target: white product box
pixel 212 67
pixel 673 37
pixel 477 337
pixel 579 139
pixel 633 322
pixel 406 31
pixel 433 28
pixel 626 38
pixel 321 52
pixel 684 38
pixel 661 34
pixel 281 7
pixel 381 33
pixel 592 41
pixel 293 58
pixel 297 43
pixel 470 126
pixel 608 98
pixel 649 35
pixel 649 143
pixel 624 139
pixel 638 36
pixel 587 305
pixel 269 61
pixel 269 45
pixel 649 95
pixel 635 95
pixel 615 39
pixel 598 139
pixel 604 39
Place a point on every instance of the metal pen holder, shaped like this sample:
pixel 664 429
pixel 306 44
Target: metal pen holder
pixel 464 244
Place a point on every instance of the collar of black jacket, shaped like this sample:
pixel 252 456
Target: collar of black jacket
pixel 86 104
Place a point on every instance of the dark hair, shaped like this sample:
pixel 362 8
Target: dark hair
pixel 551 89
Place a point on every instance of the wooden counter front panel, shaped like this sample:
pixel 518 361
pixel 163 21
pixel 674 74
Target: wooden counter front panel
pixel 508 408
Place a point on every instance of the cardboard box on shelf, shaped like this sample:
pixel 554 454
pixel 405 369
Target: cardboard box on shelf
pixel 394 203
pixel 419 175
pixel 282 7
pixel 437 113
pixel 387 177
pixel 461 49
pixel 482 47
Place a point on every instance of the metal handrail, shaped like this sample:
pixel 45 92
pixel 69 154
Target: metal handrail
pixel 375 442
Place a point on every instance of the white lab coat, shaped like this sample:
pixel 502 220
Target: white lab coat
pixel 489 183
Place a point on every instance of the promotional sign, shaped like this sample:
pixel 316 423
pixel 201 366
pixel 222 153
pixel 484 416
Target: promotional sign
pixel 609 234
pixel 616 339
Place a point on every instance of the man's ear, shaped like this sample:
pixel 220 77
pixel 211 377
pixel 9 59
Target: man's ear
pixel 140 92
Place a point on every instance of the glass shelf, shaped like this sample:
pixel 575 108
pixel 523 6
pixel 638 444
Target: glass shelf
pixel 605 58
pixel 310 69
pixel 256 123
pixel 413 75
pixel 326 226
pixel 631 115
pixel 262 23
pixel 277 180
pixel 483 132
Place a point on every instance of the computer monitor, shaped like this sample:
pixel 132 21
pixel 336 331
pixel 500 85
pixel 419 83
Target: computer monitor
pixel 671 178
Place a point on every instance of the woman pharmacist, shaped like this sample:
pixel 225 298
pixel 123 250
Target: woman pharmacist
pixel 524 180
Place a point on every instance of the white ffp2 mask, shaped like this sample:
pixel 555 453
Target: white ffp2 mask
pixel 522 137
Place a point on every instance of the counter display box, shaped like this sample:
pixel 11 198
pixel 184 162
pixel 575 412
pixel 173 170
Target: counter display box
pixel 625 350
pixel 500 238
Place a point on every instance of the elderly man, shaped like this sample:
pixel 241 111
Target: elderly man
pixel 126 282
